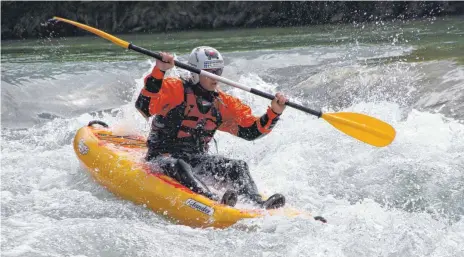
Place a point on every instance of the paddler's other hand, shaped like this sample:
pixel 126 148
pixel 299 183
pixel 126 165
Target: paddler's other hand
pixel 278 104
pixel 167 63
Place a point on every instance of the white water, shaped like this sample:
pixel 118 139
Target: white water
pixel 402 200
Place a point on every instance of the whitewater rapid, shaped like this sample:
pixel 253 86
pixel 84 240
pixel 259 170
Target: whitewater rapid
pixel 402 200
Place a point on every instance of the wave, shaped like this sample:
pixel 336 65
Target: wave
pixel 401 200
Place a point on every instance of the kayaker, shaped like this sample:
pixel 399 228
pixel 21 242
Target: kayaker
pixel 188 113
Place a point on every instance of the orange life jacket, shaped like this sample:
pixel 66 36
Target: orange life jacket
pixel 187 128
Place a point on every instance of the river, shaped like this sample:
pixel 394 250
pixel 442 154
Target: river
pixel 402 200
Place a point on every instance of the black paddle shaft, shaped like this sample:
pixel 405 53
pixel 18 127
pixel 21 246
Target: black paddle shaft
pixel 158 56
pixel 198 71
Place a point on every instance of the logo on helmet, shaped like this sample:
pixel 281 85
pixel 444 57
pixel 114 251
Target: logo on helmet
pixel 210 53
pixel 213 64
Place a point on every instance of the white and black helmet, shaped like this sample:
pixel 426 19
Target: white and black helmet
pixel 206 58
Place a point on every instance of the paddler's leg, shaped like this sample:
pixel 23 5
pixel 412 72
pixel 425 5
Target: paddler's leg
pixel 191 181
pixel 238 174
pixel 182 172
pixel 221 169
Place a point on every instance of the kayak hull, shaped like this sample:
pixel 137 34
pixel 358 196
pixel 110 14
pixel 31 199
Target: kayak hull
pixel 117 163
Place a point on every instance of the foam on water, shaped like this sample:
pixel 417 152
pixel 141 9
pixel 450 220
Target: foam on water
pixel 401 200
pixel 52 208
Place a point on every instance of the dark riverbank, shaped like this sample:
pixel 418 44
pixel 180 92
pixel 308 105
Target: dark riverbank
pixel 28 19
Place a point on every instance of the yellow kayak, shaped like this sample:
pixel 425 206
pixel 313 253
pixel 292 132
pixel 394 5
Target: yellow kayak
pixel 117 163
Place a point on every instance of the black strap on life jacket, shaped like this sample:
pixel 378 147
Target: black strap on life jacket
pixel 164 135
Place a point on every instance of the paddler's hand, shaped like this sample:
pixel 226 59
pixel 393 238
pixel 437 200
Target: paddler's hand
pixel 167 63
pixel 278 104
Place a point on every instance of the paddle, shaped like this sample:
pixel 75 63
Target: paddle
pixel 362 127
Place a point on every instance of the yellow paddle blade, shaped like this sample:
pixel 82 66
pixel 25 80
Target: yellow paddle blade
pixel 362 127
pixel 97 32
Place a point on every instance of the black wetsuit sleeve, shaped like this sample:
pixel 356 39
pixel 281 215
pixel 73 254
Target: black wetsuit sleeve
pixel 259 128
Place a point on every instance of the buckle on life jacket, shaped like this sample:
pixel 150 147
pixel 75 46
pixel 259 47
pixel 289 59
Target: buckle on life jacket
pixel 203 105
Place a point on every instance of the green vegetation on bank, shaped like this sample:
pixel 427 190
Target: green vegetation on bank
pixel 28 19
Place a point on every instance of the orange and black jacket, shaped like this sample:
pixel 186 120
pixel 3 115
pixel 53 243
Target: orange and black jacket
pixel 187 116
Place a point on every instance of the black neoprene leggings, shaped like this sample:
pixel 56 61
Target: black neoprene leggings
pixel 188 169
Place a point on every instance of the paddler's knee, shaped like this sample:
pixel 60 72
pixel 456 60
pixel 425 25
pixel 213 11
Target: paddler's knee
pixel 237 170
pixel 188 179
pixel 185 170
pixel 239 167
pixel 184 166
